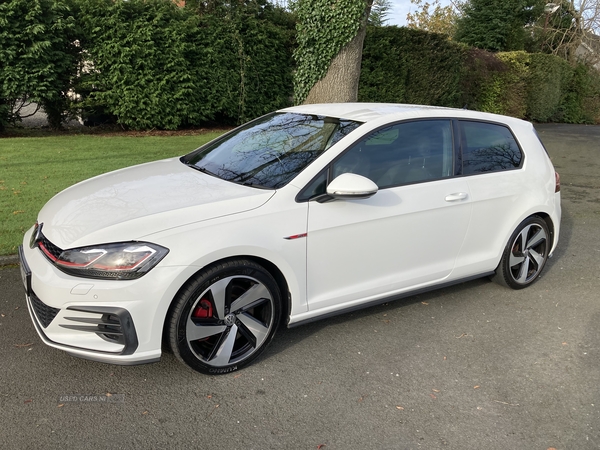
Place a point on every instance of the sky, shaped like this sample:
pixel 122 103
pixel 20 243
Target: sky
pixel 402 7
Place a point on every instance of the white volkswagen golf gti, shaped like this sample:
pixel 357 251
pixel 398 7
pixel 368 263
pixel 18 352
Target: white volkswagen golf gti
pixel 304 213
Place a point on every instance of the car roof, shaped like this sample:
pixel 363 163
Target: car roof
pixel 369 112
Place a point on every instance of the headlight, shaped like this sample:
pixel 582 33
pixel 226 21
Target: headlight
pixel 122 261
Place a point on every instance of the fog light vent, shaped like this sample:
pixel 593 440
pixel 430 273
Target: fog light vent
pixel 112 324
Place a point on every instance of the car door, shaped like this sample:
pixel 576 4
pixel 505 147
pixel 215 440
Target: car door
pixel 405 236
pixel 492 165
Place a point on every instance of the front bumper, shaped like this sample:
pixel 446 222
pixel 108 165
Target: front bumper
pixel 103 332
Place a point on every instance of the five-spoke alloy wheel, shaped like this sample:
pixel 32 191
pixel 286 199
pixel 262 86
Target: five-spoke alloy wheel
pixel 225 317
pixel 525 255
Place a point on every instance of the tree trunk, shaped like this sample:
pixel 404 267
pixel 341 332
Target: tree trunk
pixel 340 83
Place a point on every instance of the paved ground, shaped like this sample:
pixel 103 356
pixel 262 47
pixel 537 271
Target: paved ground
pixel 474 366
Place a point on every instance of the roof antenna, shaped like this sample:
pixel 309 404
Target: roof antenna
pixel 465 107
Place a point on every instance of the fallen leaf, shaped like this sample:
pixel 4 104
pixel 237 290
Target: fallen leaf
pixel 320 446
pixel 476 387
pixel 209 396
pixel 145 413
pixel 16 308
pixel 18 212
pixel 425 303
pixel 432 396
pixel 504 403
pixel 23 345
pixel 2 315
pixel 435 390
pixel 386 321
pixel 564 343
pixel 400 408
pixel 61 405
pixel 551 448
pixel 108 394
pixel 28 400
pixel 237 376
pixel 444 358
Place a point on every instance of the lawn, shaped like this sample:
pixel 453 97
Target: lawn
pixel 32 170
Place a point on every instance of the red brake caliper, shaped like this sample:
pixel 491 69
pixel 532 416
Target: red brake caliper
pixel 204 310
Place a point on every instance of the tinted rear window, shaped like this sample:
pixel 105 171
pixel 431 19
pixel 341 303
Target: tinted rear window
pixel 488 147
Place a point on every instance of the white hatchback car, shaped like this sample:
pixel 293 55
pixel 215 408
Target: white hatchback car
pixel 311 211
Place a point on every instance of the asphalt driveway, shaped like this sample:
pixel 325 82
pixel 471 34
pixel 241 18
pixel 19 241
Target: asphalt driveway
pixel 474 366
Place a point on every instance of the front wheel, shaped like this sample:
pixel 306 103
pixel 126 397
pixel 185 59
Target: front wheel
pixel 225 317
pixel 525 255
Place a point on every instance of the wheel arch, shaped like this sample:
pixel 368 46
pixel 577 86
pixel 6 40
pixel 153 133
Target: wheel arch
pixel 542 215
pixel 546 217
pixel 275 272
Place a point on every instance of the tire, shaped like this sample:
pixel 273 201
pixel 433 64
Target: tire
pixel 525 254
pixel 225 317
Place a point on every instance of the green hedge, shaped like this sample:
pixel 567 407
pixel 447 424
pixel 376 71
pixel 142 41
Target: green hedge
pixel 401 65
pixel 548 81
pixel 156 65
pixel 38 57
pixel 505 91
pixel 145 63
pixel 151 64
pixel 581 102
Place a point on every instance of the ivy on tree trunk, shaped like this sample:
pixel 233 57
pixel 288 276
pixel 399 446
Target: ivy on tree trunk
pixel 330 35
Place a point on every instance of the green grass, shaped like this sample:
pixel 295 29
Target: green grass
pixel 32 170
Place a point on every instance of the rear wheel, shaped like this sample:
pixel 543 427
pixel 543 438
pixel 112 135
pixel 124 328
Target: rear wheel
pixel 225 317
pixel 525 255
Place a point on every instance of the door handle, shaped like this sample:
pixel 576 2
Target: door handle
pixel 456 196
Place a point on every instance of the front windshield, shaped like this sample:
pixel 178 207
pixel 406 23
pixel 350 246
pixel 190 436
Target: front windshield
pixel 271 150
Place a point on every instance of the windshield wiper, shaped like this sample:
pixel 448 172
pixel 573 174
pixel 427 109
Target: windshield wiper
pixel 254 185
pixel 200 169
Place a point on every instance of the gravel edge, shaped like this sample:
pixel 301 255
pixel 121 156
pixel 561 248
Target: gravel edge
pixel 9 260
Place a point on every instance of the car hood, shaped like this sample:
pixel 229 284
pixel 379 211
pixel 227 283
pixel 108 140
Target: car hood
pixel 131 203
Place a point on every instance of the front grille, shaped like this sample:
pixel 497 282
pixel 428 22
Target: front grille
pixel 53 249
pixel 43 312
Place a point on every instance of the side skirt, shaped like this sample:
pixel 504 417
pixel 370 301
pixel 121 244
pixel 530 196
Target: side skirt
pixel 391 298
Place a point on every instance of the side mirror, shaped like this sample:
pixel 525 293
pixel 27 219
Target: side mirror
pixel 351 186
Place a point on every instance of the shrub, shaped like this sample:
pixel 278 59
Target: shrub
pixel 505 91
pixel 38 57
pixel 156 65
pixel 411 66
pixel 581 102
pixel 548 80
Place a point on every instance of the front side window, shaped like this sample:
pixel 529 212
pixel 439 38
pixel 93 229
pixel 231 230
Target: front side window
pixel 270 151
pixel 404 153
pixel 488 147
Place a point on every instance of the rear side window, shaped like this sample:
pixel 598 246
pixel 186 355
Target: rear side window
pixel 488 147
